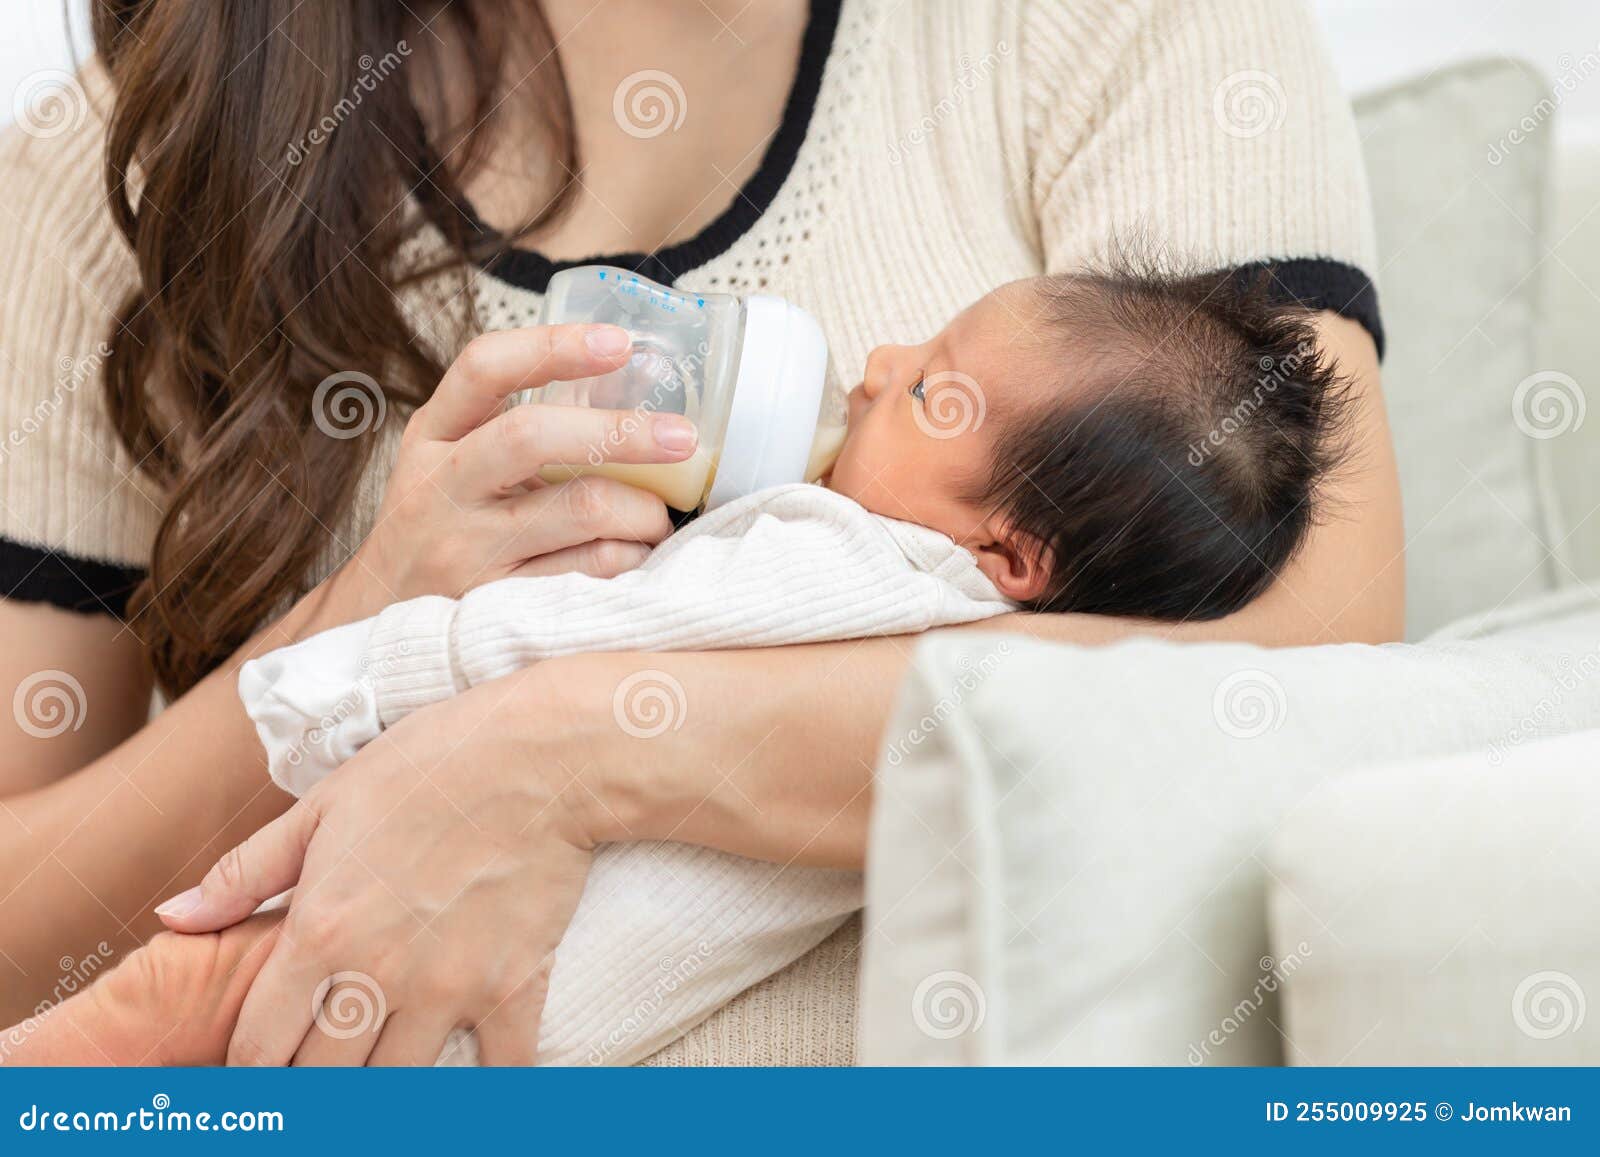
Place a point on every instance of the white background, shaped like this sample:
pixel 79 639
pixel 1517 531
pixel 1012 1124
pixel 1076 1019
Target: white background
pixel 1376 42
pixel 1373 41
pixel 33 35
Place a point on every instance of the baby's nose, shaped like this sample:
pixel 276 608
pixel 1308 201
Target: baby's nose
pixel 880 364
pixel 858 400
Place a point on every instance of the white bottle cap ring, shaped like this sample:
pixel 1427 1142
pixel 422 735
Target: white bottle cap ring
pixel 777 399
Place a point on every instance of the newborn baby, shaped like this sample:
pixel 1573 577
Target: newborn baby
pixel 1118 443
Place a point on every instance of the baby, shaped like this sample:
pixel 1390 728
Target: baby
pixel 1119 443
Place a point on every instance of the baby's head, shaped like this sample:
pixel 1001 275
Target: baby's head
pixel 1121 442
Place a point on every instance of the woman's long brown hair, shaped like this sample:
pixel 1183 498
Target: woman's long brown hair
pixel 259 159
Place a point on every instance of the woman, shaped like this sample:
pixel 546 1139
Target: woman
pixel 308 191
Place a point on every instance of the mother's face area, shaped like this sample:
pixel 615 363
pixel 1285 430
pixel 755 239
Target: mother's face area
pixel 926 420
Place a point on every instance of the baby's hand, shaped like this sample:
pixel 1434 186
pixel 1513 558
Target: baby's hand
pixel 172 1002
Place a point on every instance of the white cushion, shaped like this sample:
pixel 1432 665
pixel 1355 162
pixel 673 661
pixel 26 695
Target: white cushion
pixel 1442 913
pixel 1568 307
pixel 1461 240
pixel 1067 842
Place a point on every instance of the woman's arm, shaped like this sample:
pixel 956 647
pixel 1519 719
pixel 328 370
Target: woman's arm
pixel 84 858
pixel 773 760
pixel 79 685
pixel 134 814
pixel 1217 135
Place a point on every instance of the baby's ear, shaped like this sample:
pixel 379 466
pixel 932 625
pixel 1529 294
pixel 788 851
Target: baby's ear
pixel 1018 564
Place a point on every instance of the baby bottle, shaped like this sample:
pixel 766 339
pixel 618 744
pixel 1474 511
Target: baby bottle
pixel 750 373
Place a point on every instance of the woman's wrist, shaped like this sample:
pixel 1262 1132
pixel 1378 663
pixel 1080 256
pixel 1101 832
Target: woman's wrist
pixel 349 593
pixel 558 715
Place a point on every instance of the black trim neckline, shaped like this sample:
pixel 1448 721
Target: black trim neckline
pixel 532 270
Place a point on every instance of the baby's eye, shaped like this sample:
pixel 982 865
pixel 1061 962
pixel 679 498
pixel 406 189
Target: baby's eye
pixel 916 388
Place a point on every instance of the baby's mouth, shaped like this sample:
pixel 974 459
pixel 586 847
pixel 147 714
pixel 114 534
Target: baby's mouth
pixel 826 478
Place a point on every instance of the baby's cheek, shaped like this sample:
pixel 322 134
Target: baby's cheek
pixel 845 476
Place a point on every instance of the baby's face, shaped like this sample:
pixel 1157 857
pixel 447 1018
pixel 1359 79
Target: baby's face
pixel 925 418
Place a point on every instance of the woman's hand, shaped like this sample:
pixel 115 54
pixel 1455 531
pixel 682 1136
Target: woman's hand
pixel 464 505
pixel 437 871
pixel 441 866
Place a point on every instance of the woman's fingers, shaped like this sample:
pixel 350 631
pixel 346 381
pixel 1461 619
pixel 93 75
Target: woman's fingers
pixel 508 1034
pixel 579 514
pixel 467 478
pixel 497 365
pixel 603 558
pixel 411 1038
pixel 278 1011
pixel 347 1024
pixel 512 448
pixel 267 863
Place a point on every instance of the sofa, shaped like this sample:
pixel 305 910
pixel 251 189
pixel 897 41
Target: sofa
pixel 1221 854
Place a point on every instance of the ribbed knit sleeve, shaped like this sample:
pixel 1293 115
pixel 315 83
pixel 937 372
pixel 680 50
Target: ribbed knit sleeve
pixel 1214 133
pixel 788 565
pixel 76 518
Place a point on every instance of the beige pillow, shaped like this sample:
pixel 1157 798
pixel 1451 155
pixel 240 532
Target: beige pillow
pixel 1443 910
pixel 1460 241
pixel 1067 866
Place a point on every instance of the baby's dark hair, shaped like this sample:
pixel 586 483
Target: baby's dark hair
pixel 1184 471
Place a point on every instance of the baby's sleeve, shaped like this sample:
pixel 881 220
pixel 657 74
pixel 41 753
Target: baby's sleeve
pixel 799 567
pixel 1213 134
pixel 312 704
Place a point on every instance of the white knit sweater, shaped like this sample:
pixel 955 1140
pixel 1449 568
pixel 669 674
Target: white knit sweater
pixel 953 145
pixel 793 564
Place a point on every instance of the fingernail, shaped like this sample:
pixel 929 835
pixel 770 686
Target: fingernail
pixel 181 904
pixel 676 434
pixel 607 340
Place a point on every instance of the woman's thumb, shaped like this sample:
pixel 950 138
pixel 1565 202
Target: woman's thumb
pixel 267 863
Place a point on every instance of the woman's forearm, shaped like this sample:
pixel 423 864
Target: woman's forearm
pixel 84 859
pixel 763 753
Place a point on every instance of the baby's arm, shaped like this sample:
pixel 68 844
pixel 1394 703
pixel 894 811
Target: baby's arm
pixel 805 567
pixel 316 703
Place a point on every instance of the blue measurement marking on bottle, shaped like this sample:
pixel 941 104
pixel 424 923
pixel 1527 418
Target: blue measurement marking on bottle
pixel 602 275
pixel 700 301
